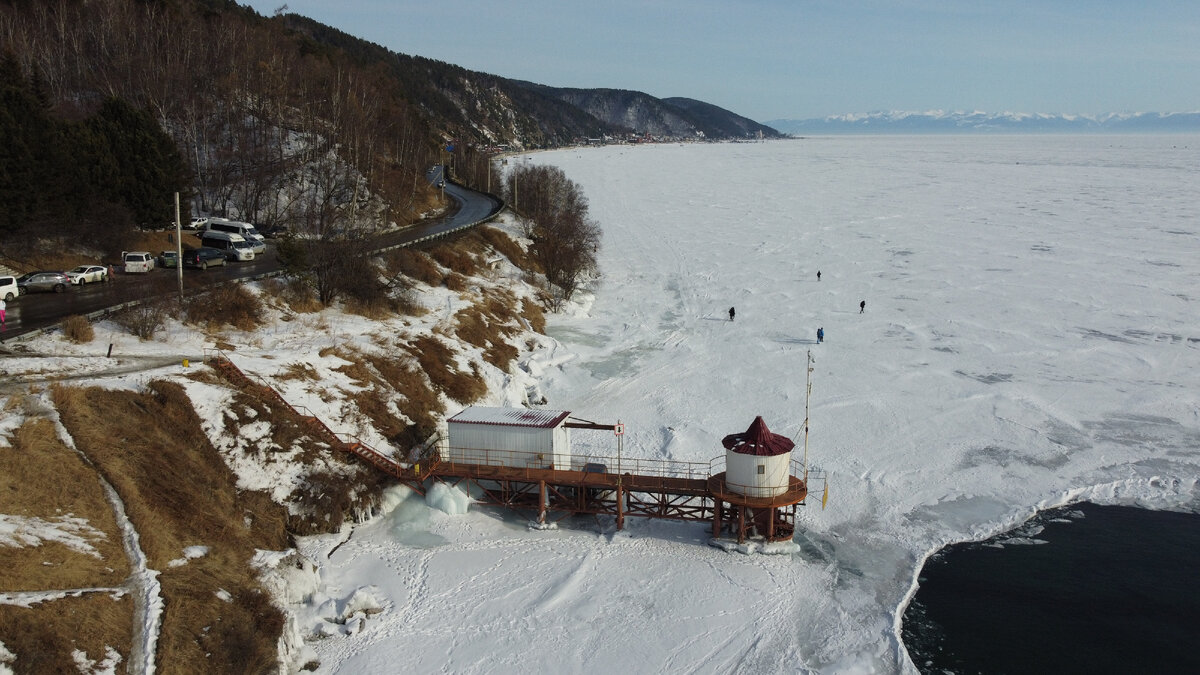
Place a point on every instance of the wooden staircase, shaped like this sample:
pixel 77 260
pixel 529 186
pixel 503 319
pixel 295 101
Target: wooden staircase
pixel 413 475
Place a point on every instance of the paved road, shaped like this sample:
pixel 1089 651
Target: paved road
pixel 34 311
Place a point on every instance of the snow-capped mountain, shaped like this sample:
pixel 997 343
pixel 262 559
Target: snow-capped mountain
pixel 941 121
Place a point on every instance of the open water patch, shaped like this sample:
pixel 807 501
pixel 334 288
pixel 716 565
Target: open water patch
pixel 1080 589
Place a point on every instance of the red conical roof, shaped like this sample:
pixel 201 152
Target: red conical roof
pixel 758 440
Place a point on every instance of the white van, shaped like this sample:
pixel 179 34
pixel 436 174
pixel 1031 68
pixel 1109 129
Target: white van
pixel 234 246
pixel 246 230
pixel 137 261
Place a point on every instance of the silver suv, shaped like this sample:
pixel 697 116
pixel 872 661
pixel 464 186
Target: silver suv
pixel 44 281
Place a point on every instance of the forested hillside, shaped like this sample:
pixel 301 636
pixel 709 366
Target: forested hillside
pixel 271 127
pixel 111 106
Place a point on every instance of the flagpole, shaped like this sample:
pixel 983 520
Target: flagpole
pixel 807 395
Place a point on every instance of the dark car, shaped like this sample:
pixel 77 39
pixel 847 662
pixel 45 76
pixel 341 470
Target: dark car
pixel 272 231
pixel 203 257
pixel 44 281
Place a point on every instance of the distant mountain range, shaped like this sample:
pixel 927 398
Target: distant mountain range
pixel 939 121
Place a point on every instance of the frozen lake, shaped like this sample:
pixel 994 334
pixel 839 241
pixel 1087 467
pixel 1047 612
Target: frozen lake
pixel 1030 339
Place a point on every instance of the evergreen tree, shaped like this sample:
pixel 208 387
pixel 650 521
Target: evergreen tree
pixel 136 163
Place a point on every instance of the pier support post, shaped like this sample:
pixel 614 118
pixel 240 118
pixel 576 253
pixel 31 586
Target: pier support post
pixel 620 506
pixel 718 508
pixel 541 502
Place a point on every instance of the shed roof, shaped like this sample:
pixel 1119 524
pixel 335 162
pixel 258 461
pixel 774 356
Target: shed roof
pixel 511 417
pixel 758 440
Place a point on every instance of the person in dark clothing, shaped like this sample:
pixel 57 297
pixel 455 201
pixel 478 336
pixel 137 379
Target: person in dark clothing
pixel 862 306
pixel 731 314
pixel 818 275
pixel 820 335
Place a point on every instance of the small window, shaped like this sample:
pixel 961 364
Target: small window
pixel 762 469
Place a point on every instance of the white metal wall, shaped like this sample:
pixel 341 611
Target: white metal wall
pixel 509 445
pixel 742 476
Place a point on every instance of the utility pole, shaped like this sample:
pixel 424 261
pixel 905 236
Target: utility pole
pixel 178 246
pixel 807 395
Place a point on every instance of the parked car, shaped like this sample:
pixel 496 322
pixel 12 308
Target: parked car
pixel 199 222
pixel 168 259
pixel 233 246
pixel 86 274
pixel 245 230
pixel 272 231
pixel 43 281
pixel 203 257
pixel 9 288
pixel 137 261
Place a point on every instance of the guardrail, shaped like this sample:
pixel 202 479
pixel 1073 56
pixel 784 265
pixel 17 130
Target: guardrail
pixel 658 468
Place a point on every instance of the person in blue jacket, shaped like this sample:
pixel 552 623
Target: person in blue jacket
pixel 820 335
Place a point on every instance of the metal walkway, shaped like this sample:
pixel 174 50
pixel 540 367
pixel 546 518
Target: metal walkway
pixel 693 491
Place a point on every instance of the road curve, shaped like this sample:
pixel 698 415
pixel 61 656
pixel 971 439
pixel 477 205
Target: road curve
pixel 37 311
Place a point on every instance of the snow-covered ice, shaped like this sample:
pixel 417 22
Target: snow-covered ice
pixel 1030 339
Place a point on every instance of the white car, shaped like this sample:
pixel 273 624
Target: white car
pixel 86 274
pixel 9 288
pixel 199 222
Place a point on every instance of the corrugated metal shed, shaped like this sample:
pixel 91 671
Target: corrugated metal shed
pixel 513 417
pixel 517 437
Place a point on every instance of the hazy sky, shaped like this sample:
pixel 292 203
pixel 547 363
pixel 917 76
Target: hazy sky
pixel 794 59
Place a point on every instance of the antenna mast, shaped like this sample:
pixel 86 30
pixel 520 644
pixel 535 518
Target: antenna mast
pixel 807 395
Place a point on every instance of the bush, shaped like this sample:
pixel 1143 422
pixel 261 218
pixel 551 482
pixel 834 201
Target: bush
pixel 227 304
pixel 145 319
pixel 295 292
pixel 78 329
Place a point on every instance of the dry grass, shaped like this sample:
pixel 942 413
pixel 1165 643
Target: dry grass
pixel 321 509
pixel 489 325
pixel 437 362
pixel 392 382
pixel 455 256
pixel 415 265
pixel 178 492
pixel 457 282
pixel 376 309
pixel 78 329
pixel 505 246
pixel 298 371
pixel 356 369
pixel 226 305
pixel 294 293
pixel 335 498
pixel 534 315
pixel 72 488
pixel 44 636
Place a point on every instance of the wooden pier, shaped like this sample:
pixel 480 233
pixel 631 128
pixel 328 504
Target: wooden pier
pixel 620 487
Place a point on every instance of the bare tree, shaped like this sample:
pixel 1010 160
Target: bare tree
pixel 566 240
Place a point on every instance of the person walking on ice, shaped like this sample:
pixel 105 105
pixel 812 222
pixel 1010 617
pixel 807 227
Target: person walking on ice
pixel 731 314
pixel 862 306
pixel 820 335
pixel 818 275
